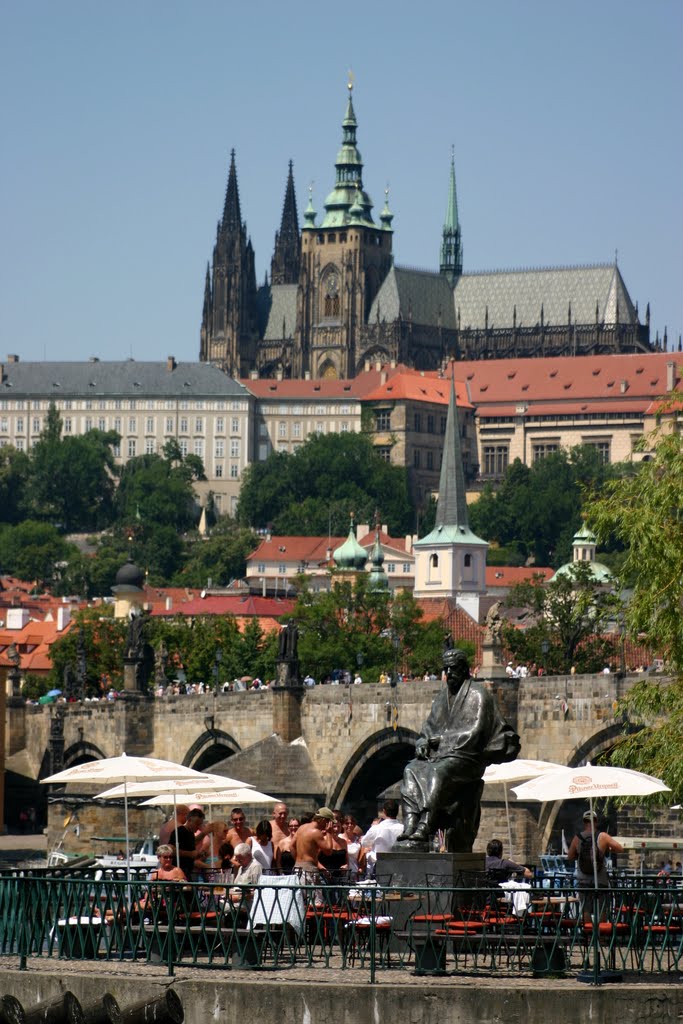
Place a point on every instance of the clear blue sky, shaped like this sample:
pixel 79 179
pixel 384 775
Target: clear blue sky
pixel 118 120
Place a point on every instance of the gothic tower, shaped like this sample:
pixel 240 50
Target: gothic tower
pixel 229 322
pixel 343 263
pixel 451 239
pixel 284 267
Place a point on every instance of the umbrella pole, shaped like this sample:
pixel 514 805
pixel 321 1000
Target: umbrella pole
pixel 596 909
pixel 125 816
pixel 175 829
pixel 507 815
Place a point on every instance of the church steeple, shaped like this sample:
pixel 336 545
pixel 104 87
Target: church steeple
pixel 229 317
pixel 451 240
pixel 348 188
pixel 284 267
pixel 451 508
pixel 232 217
pixel 451 560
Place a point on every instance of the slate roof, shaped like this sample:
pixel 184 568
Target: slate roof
pixel 279 312
pixel 554 288
pixel 424 295
pixel 127 378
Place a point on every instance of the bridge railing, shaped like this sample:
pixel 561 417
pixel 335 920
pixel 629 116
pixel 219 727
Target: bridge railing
pixel 482 929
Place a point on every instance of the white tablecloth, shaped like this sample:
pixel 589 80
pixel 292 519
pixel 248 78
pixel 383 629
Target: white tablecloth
pixel 280 901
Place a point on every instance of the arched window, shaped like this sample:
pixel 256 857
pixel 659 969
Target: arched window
pixel 434 561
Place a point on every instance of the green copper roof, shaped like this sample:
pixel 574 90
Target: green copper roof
pixel 452 520
pixel 451 240
pixel 584 536
pixel 599 572
pixel 350 554
pixel 386 216
pixel 377 581
pixel 348 189
pixel 309 212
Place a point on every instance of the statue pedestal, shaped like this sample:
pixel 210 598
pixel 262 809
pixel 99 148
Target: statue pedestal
pixel 492 661
pixel 413 868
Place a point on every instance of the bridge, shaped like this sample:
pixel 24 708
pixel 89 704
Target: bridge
pixel 348 733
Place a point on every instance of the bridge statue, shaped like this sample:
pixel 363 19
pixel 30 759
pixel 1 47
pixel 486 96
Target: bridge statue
pixel 442 785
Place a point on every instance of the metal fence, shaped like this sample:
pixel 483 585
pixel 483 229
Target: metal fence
pixel 480 930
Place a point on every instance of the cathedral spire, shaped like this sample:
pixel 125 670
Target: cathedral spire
pixel 232 217
pixel 451 507
pixel 284 267
pixel 451 240
pixel 348 188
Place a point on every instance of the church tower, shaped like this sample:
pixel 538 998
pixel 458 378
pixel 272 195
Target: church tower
pixel 229 322
pixel 451 239
pixel 343 263
pixel 451 560
pixel 284 267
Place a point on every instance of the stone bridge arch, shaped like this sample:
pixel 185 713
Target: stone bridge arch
pixel 82 751
pixel 376 763
pixel 210 747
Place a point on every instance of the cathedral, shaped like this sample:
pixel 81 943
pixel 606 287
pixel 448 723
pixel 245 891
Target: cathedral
pixel 336 299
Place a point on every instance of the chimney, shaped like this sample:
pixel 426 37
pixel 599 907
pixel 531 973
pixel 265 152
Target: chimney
pixel 409 543
pixel 623 386
pixel 378 366
pixel 670 375
pixel 363 530
pixel 253 375
pixel 392 364
pixel 170 364
pixel 63 617
pixel 307 375
pixel 2 372
pixel 278 374
pixel 94 359
pixel 17 618
pixel 169 603
pixel 12 359
pixel 366 365
pixel 383 377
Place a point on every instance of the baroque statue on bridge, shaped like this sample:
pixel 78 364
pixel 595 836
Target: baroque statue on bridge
pixel 442 785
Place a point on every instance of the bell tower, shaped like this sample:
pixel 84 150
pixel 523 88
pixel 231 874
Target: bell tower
pixel 343 263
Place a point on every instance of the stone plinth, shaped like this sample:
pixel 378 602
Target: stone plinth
pixel 412 868
pixel 287 711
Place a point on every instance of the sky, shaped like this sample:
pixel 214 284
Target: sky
pixel 118 121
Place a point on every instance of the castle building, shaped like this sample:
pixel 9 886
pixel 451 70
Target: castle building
pixel 336 299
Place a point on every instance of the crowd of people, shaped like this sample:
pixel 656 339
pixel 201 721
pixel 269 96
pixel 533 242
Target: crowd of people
pixel 324 847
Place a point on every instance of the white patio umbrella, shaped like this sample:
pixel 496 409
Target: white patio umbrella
pixel 124 769
pixel 590 781
pixel 204 780
pixel 516 771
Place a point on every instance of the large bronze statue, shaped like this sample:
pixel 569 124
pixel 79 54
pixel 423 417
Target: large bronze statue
pixel 442 786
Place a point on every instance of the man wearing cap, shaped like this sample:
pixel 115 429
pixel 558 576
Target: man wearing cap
pixel 442 785
pixel 312 840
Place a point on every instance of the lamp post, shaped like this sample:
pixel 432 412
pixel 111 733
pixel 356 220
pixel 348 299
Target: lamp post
pixel 545 647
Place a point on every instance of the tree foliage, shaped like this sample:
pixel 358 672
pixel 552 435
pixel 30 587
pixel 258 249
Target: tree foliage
pixel 104 640
pixel 32 551
pixel 350 620
pixel 221 557
pixel 567 621
pixel 537 509
pixel 329 474
pixel 645 513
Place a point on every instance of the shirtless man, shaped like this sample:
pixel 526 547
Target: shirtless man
pixel 240 831
pixel 279 825
pixel 167 830
pixel 311 840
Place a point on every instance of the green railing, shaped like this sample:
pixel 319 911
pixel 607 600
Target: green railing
pixel 280 924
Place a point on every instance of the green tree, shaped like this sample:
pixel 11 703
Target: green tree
pixel 220 557
pixel 644 512
pixel 104 639
pixel 72 479
pixel 158 491
pixel 536 510
pixel 329 471
pixel 14 473
pixel 33 551
pixel 567 620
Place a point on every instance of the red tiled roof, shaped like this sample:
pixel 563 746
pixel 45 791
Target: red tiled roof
pixel 248 607
pixel 33 644
pixel 416 387
pixel 511 575
pixel 313 550
pixel 457 622
pixel 355 388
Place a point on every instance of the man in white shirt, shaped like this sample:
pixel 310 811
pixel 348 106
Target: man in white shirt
pixel 380 838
